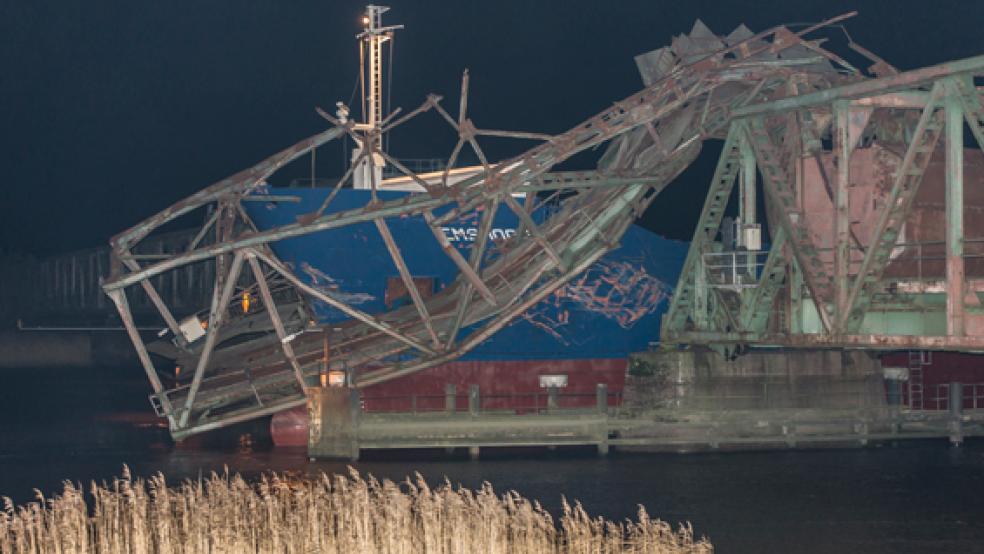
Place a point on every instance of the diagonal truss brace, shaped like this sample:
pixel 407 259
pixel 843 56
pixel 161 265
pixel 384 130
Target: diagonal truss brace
pixel 216 318
pixel 778 188
pixel 119 298
pixel 685 295
pixel 908 177
pixel 466 269
pixel 339 305
pixel 278 325
pixel 475 263
pixel 156 299
pixel 973 108
pixel 755 310
pixel 530 226
pixel 401 267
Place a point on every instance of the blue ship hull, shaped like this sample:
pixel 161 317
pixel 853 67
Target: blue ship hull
pixel 612 309
pixel 583 332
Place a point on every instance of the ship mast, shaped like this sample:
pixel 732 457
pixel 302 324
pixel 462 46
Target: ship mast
pixel 372 38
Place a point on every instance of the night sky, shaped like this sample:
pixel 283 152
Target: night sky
pixel 111 110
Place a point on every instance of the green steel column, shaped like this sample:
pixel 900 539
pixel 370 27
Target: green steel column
pixel 954 216
pixel 746 203
pixel 795 284
pixel 842 213
pixel 746 206
pixel 699 314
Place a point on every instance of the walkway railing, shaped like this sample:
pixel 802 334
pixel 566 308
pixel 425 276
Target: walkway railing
pixel 472 402
pixel 938 396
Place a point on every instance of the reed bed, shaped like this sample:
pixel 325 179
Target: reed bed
pixel 331 514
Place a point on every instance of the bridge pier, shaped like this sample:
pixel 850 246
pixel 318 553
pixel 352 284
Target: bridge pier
pixel 779 398
pixel 333 415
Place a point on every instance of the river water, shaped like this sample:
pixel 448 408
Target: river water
pixel 923 496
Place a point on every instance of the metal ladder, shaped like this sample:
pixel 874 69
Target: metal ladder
pixel 917 360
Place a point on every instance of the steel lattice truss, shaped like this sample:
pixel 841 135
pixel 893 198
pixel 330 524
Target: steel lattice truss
pixel 750 89
pixel 829 279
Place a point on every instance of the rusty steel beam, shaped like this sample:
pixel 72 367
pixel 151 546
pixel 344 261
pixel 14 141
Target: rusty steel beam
pixel 755 309
pixel 204 231
pixel 905 185
pixel 729 163
pixel 531 227
pixel 842 210
pixel 971 98
pixel 239 417
pixel 529 202
pixel 874 342
pixel 278 325
pixel 512 134
pixel 514 310
pixel 216 317
pixel 466 269
pixel 339 305
pixel 907 80
pixel 408 205
pixel 574 180
pixel 402 169
pixel 338 186
pixel 237 184
pixel 407 277
pixel 778 189
pixel 156 299
pixel 119 299
pixel 475 262
pixel 954 197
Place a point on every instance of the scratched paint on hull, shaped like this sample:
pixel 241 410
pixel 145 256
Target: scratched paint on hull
pixel 612 309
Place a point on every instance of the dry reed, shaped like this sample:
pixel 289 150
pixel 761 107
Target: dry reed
pixel 330 514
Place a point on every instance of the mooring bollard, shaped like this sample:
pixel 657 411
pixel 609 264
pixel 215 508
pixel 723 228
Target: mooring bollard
pixel 450 398
pixel 473 400
pixel 355 403
pixel 956 399
pixel 552 400
pixel 601 398
pixel 956 414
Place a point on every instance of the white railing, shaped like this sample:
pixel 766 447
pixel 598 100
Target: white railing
pixel 739 269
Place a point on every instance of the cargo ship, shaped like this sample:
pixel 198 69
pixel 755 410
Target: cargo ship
pixel 578 337
pixel 518 278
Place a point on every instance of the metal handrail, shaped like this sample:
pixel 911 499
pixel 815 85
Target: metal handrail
pixel 919 255
pixel 972 397
pixel 519 403
pixel 736 269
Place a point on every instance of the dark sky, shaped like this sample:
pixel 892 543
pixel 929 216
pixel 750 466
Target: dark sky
pixel 110 110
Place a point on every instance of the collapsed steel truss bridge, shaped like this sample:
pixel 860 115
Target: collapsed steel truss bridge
pixel 771 96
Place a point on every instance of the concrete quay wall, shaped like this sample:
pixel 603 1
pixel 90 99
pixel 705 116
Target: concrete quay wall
pixel 68 349
pixel 679 401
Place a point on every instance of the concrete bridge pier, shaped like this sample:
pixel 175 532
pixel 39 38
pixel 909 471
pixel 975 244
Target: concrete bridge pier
pixel 333 415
